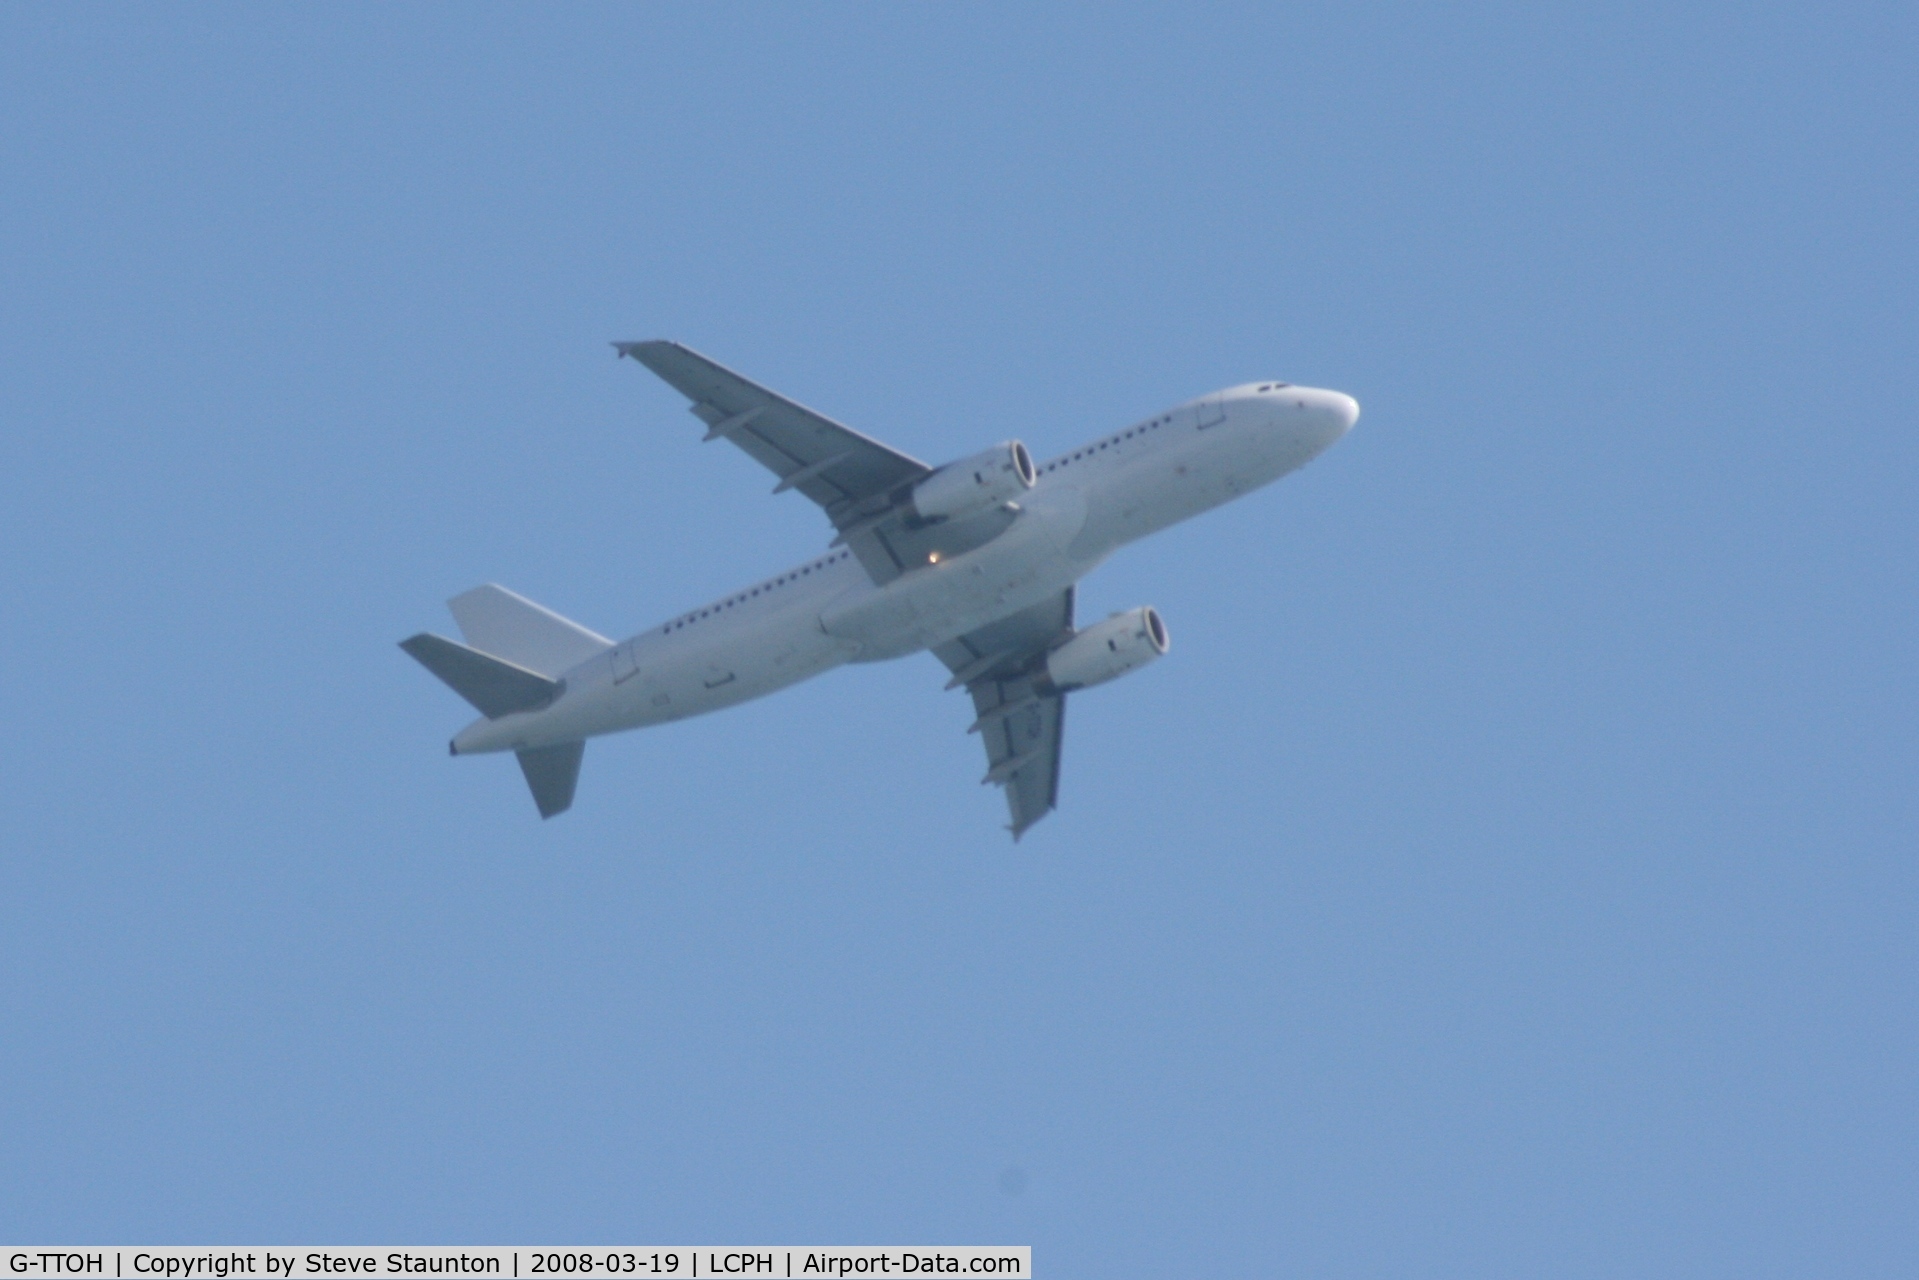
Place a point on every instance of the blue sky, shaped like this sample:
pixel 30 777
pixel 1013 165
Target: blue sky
pixel 1510 871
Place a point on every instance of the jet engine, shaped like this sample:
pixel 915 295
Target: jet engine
pixel 984 480
pixel 1106 651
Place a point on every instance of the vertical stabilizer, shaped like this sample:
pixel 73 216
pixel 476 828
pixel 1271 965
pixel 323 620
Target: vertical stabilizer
pixel 494 620
pixel 552 773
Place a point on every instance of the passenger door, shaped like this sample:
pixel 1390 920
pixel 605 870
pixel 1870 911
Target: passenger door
pixel 625 663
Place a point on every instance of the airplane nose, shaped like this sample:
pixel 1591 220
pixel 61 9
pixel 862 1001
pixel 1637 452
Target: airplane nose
pixel 1341 411
pixel 1329 414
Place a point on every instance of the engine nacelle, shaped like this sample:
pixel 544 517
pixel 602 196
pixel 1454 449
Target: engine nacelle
pixel 1106 651
pixel 984 480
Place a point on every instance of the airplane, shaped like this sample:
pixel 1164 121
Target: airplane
pixel 975 560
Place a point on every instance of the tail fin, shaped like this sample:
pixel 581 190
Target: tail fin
pixel 496 621
pixel 497 688
pixel 552 773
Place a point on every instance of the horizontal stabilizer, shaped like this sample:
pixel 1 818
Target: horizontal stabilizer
pixel 552 773
pixel 498 688
pixel 496 621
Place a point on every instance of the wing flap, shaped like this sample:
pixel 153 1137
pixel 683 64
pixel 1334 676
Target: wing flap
pixel 1031 741
pixel 1023 732
pixel 834 465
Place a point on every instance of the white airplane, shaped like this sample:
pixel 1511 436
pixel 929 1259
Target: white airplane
pixel 975 560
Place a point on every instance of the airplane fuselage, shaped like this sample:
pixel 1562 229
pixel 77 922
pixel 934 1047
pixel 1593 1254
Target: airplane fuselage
pixel 829 611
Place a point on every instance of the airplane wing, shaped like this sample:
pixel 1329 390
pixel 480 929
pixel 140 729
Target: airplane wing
pixel 854 479
pixel 847 474
pixel 1021 730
